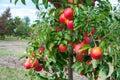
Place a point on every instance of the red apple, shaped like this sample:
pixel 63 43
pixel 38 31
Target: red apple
pixel 57 29
pixel 82 73
pixel 38 68
pixel 78 46
pixel 93 2
pixel 70 1
pixel 42 48
pixel 80 58
pixel 74 44
pixel 86 38
pixel 62 48
pixel 96 53
pixel 35 63
pixel 81 1
pixel 28 64
pixel 70 25
pixel 69 13
pixel 89 63
pixel 62 19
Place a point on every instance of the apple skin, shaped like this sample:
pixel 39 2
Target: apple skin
pixel 82 73
pixel 62 48
pixel 28 64
pixel 89 63
pixel 96 53
pixel 81 1
pixel 86 38
pixel 69 13
pixel 42 48
pixel 80 58
pixel 35 63
pixel 70 25
pixel 70 1
pixel 38 68
pixel 58 29
pixel 77 48
pixel 62 19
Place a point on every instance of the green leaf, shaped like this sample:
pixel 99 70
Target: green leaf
pixel 51 11
pixel 85 47
pixel 118 0
pixel 75 65
pixel 23 1
pixel 102 75
pixel 94 63
pixel 35 2
pixel 111 69
pixel 45 2
pixel 16 1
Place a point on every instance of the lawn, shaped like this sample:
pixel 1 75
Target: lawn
pixel 13 74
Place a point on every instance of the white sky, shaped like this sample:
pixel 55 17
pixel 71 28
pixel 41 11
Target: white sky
pixel 25 10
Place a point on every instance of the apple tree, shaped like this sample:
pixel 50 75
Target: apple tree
pixel 75 35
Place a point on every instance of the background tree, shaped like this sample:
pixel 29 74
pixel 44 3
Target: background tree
pixel 4 18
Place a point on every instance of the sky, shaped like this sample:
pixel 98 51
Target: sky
pixel 19 9
pixel 24 10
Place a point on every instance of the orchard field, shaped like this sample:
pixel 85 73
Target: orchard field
pixel 11 63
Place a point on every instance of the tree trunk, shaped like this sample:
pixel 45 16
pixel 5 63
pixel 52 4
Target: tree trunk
pixel 70 63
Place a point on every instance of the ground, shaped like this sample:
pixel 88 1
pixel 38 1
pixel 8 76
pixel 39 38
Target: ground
pixel 13 60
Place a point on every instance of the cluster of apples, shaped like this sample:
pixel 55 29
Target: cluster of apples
pixel 33 62
pixel 67 18
pixel 95 52
pixel 29 63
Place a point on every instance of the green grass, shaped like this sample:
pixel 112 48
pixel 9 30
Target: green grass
pixel 13 74
pixel 4 52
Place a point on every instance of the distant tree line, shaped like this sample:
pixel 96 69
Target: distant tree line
pixel 13 26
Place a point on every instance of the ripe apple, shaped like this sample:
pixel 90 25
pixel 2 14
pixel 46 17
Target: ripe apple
pixel 42 48
pixel 78 46
pixel 70 25
pixel 74 44
pixel 69 13
pixel 28 64
pixel 57 29
pixel 70 1
pixel 86 38
pixel 81 1
pixel 80 58
pixel 93 2
pixel 96 53
pixel 89 63
pixel 82 73
pixel 62 48
pixel 38 68
pixel 62 19
pixel 35 63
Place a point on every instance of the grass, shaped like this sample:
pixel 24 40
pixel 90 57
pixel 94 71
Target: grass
pixel 4 52
pixel 13 74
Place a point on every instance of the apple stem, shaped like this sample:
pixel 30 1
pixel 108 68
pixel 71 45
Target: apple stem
pixel 70 63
